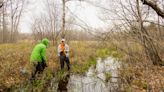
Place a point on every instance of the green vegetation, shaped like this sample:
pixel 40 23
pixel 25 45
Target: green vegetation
pixel 140 83
pixel 38 85
pixel 127 88
pixel 108 76
pixel 60 75
pixel 81 69
pixel 105 52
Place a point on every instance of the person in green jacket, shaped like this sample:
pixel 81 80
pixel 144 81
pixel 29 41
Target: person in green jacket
pixel 38 57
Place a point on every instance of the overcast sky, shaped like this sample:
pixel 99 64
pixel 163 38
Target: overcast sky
pixel 84 11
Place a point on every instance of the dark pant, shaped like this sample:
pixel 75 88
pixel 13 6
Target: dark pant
pixel 38 68
pixel 63 59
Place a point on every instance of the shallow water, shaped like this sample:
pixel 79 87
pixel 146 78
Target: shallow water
pixel 94 80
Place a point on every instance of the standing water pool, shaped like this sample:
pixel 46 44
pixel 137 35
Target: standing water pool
pixel 95 78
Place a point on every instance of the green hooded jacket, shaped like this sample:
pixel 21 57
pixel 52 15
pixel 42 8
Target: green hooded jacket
pixel 39 51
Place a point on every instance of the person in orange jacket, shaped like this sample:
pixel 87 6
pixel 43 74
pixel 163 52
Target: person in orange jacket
pixel 63 53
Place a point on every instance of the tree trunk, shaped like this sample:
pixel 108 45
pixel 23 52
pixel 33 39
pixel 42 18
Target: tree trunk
pixel 63 20
pixel 4 37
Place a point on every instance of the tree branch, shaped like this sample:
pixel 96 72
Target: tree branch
pixel 158 10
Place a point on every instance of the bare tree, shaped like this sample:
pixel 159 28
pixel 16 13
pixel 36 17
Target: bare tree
pixel 56 20
pixel 129 19
pixel 48 24
pixel 149 46
pixel 11 14
pixel 63 16
pixel 54 16
pixel 16 8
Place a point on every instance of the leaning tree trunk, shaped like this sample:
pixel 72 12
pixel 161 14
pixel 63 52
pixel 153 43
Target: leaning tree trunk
pixel 147 42
pixel 154 6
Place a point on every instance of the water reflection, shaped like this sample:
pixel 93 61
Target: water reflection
pixel 62 85
pixel 94 80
